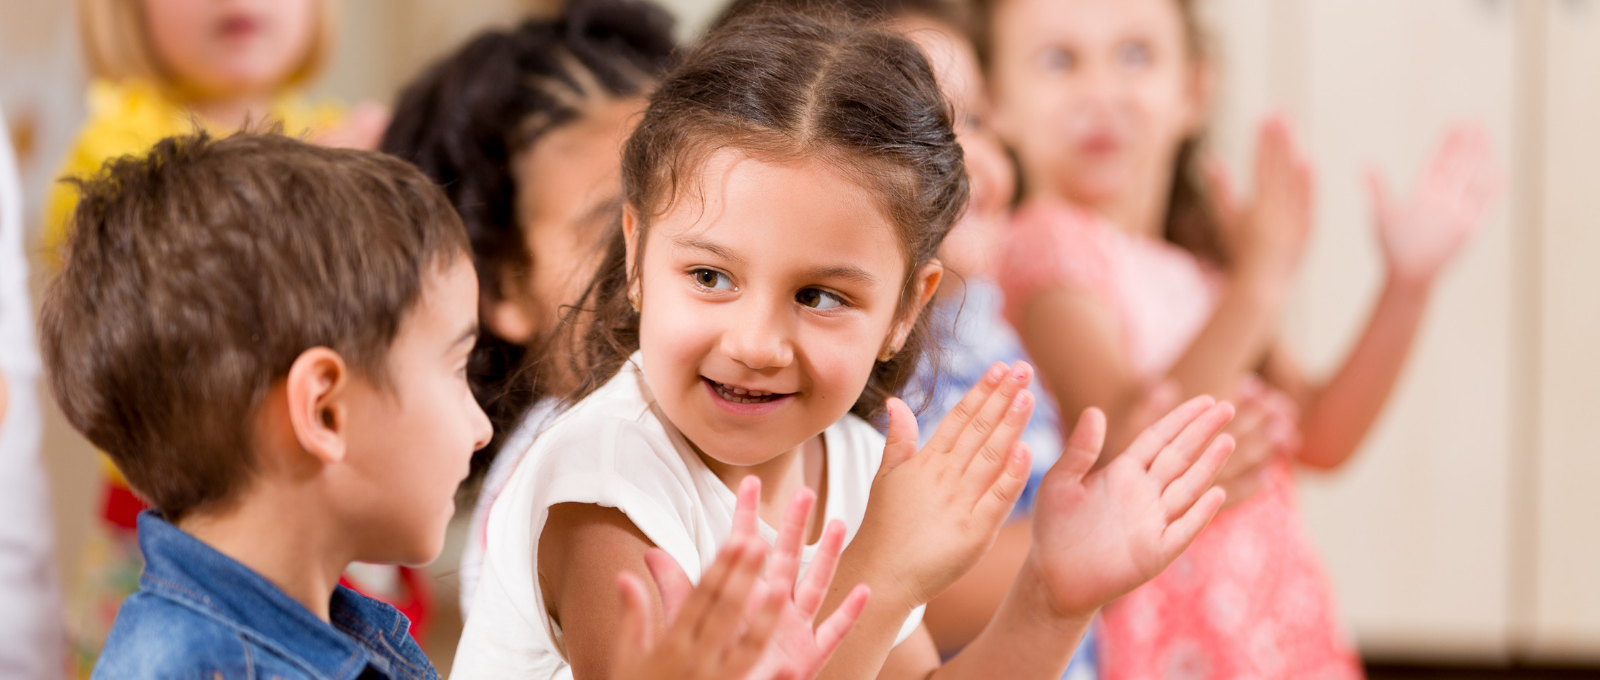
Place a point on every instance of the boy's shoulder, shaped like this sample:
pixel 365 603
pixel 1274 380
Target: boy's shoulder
pixel 157 637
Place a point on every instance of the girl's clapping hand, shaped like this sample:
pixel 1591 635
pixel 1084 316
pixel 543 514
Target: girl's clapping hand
pixel 1098 535
pixel 1268 234
pixel 934 512
pixel 1423 231
pixel 738 623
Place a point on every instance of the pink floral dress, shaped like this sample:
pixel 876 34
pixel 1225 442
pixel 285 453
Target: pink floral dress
pixel 1249 599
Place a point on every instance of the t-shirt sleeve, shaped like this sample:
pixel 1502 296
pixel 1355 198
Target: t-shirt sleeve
pixel 1051 245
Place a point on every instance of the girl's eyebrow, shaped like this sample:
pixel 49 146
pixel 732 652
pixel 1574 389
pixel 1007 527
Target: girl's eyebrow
pixel 714 249
pixel 846 272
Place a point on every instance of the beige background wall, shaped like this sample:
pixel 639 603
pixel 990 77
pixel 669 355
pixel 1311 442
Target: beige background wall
pixel 1469 527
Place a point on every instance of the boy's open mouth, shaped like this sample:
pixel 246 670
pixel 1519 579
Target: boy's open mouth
pixel 739 395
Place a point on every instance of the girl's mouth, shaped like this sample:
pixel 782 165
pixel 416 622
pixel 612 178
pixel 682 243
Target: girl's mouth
pixel 740 395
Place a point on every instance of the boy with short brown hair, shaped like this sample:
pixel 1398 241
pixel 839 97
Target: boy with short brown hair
pixel 270 340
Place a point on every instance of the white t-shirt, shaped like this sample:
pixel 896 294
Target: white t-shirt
pixel 511 451
pixel 616 449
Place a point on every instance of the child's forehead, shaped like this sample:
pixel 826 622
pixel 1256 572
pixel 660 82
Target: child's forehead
pixel 795 209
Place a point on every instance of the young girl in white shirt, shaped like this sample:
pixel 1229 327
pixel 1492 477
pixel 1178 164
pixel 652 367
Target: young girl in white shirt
pixel 785 194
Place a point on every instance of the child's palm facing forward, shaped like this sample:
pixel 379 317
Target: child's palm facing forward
pixel 1098 535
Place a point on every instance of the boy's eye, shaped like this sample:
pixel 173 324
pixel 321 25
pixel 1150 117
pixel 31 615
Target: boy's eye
pixel 713 279
pixel 1056 59
pixel 817 298
pixel 1133 55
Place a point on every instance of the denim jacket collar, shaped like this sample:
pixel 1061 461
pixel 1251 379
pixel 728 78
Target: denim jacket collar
pixel 181 568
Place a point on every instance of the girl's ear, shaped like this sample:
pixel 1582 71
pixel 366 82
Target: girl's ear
pixel 926 283
pixel 630 227
pixel 317 387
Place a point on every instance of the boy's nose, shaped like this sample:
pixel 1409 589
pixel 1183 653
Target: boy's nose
pixel 483 430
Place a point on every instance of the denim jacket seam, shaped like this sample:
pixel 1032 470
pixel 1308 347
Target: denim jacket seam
pixel 374 638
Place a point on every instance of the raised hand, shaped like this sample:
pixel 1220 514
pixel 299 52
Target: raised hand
pixel 1423 231
pixel 934 512
pixel 1098 535
pixel 794 648
pixel 1268 234
pixel 1265 426
pixel 719 631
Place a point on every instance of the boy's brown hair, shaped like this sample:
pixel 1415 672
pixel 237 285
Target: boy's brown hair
pixel 195 276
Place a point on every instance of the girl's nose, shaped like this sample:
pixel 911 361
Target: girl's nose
pixel 759 338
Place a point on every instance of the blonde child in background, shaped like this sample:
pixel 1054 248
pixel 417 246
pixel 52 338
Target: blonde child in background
pixel 159 68
pixel 1121 270
pixel 786 193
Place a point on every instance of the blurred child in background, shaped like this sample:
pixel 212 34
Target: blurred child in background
pixel 523 129
pixel 31 630
pixel 160 67
pixel 1121 270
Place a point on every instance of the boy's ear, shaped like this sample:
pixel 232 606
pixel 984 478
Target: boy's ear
pixel 926 283
pixel 318 383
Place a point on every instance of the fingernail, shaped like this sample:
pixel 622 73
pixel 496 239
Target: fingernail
pixel 1021 402
pixel 1020 371
pixel 995 372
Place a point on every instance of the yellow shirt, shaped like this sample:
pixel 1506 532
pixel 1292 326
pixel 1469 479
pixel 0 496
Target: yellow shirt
pixel 128 118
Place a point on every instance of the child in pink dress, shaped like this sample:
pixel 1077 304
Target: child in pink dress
pixel 1252 580
pixel 1122 272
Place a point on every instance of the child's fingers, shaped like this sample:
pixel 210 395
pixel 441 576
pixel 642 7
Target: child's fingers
pixel 1182 493
pixel 633 631
pixel 725 604
pixel 671 582
pixel 744 509
pixel 839 623
pixel 1182 532
pixel 1181 453
pixel 742 556
pixel 757 633
pixel 985 468
pixel 809 593
pixel 992 415
pixel 996 505
pixel 901 442
pixel 955 422
pixel 1153 438
pixel 1083 446
pixel 785 566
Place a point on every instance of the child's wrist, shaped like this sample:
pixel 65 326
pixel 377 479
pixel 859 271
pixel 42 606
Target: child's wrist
pixel 1033 591
pixel 888 592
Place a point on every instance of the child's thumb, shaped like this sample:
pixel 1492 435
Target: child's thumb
pixel 1083 445
pixel 902 436
pixel 633 633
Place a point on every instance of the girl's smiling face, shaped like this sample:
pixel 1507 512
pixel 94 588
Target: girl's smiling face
pixel 768 293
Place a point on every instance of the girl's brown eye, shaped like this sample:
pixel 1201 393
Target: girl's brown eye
pixel 817 298
pixel 711 278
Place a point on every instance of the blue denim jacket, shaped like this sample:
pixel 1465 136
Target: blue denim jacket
pixel 199 614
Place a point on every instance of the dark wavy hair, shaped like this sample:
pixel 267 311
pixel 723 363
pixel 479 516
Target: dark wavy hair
pixel 469 115
pixel 780 86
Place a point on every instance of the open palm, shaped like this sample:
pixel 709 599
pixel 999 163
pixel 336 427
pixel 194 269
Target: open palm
pixel 1098 535
pixel 1423 231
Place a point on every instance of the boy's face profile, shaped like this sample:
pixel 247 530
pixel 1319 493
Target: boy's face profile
pixel 408 440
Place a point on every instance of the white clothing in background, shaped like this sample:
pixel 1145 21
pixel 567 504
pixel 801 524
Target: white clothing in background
pixel 31 630
pixel 616 449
